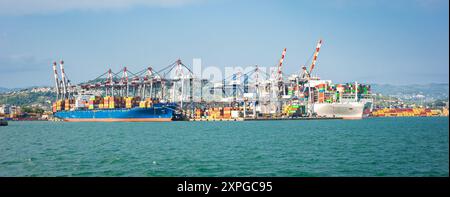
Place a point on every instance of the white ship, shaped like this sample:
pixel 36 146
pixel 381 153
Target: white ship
pixel 351 110
pixel 349 106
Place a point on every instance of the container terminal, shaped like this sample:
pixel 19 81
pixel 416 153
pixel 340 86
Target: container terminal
pixel 175 93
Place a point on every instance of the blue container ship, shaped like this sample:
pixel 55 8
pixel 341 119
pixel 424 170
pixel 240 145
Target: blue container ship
pixel 160 112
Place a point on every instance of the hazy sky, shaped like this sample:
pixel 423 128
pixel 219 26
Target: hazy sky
pixel 379 41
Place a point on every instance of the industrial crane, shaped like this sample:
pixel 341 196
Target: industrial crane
pixel 57 85
pixel 280 74
pixel 306 75
pixel 61 86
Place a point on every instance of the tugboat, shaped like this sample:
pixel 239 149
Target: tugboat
pixel 3 122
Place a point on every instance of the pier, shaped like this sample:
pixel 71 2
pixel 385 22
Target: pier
pixel 263 119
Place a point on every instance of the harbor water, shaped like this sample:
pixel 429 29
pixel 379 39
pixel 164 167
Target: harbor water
pixel 409 146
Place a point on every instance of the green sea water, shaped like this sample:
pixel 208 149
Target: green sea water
pixel 296 148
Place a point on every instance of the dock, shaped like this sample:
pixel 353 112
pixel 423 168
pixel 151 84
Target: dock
pixel 215 119
pixel 294 118
pixel 262 119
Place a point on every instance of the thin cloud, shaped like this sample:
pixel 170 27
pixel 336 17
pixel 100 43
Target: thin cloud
pixel 29 7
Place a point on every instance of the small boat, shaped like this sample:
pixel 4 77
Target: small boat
pixel 3 122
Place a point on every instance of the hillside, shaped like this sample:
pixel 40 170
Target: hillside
pixel 28 97
pixel 427 92
pixel 43 96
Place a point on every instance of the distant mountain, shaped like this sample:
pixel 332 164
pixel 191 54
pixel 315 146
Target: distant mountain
pixel 2 89
pixel 432 91
pixel 5 90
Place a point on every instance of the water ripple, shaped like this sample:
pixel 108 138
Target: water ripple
pixel 370 147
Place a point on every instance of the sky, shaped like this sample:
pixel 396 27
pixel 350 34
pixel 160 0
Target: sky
pixel 374 41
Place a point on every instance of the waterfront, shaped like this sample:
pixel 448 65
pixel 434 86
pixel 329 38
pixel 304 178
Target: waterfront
pixel 409 146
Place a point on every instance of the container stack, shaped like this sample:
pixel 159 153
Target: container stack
pixel 329 97
pixel 428 112
pixel 66 104
pixel 436 112
pixel 54 107
pixel 321 97
pixel 72 104
pixel 142 104
pixel 293 109
pixel 106 102
pixel 321 92
pixel 349 88
pixel 215 113
pixel 364 89
pixel 148 102
pixel 445 112
pixel 111 102
pixel 129 102
pixel 340 88
pixel 198 113
pixel 91 102
pixel 386 112
pixel 59 105
pixel 227 112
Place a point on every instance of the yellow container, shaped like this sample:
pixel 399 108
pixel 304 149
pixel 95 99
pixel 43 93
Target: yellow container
pixel 142 104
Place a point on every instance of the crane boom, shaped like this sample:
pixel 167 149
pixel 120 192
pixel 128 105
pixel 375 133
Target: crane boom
pixel 279 73
pixel 316 53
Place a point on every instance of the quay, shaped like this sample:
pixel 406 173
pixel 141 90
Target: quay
pixel 261 119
